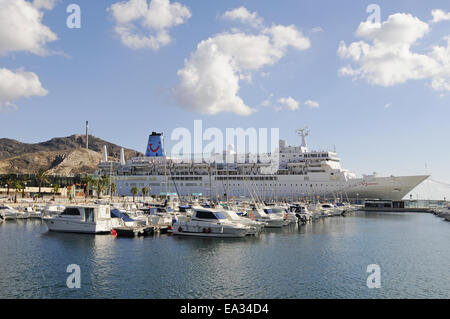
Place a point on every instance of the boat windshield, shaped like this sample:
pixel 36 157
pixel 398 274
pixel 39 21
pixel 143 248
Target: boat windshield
pixel 277 210
pixel 220 216
pixel 268 211
pixel 115 213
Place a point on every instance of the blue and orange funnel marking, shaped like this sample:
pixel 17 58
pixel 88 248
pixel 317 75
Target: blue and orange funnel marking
pixel 155 145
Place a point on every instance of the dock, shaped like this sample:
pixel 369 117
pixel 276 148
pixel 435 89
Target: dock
pixel 396 209
pixel 148 230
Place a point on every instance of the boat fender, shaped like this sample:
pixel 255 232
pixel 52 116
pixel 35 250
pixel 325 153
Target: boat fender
pixel 114 232
pixel 209 229
pixel 180 230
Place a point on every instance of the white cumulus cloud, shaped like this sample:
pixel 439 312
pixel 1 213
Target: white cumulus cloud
pixel 21 27
pixel 312 104
pixel 289 103
pixel 387 57
pixel 146 25
pixel 242 15
pixel 210 78
pixel 440 15
pixel 17 85
pixel 44 4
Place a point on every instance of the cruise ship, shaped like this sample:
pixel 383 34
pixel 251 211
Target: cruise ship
pixel 300 174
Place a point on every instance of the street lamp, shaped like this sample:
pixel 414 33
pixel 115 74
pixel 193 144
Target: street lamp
pixel 357 198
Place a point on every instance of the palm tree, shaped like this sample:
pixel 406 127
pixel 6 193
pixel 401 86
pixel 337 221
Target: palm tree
pixel 101 186
pixel 55 189
pixel 24 180
pixel 134 191
pixel 10 181
pixel 113 189
pixel 144 191
pixel 105 180
pixel 41 178
pixel 88 181
pixel 17 189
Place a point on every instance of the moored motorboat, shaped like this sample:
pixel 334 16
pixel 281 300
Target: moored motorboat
pixel 302 213
pixel 207 222
pixel 91 219
pixel 32 212
pixel 234 217
pixel 52 210
pixel 282 212
pixel 261 215
pixel 8 213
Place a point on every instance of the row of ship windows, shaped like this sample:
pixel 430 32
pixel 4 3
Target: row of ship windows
pixel 292 185
pixel 247 178
pixel 185 178
pixel 310 155
pixel 239 185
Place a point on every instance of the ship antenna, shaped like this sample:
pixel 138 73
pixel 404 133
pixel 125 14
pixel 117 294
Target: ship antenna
pixel 303 132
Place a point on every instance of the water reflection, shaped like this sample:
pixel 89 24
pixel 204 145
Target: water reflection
pixel 323 259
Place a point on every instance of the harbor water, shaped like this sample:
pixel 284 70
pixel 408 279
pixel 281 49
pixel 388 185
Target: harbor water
pixel 324 259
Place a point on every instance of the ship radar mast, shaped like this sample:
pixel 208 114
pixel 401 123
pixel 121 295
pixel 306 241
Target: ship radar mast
pixel 303 132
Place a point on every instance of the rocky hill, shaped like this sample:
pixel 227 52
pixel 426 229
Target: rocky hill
pixel 62 155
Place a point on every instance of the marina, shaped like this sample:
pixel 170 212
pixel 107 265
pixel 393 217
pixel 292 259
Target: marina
pixel 315 231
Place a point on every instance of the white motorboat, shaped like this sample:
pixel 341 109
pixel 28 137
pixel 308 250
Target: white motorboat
pixel 346 208
pixel 33 212
pixel 23 214
pixel 91 219
pixel 233 217
pixel 302 212
pixel 208 222
pixel 52 210
pixel 137 216
pixel 333 210
pixel 122 218
pixel 271 220
pixel 8 213
pixel 282 212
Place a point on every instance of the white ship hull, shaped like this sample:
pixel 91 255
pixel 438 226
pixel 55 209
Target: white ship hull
pixel 285 186
pixel 66 226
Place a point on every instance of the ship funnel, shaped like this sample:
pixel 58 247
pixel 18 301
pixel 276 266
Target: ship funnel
pixel 122 157
pixel 155 147
pixel 104 154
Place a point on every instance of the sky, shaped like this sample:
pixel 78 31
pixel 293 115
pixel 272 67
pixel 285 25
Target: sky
pixel 369 79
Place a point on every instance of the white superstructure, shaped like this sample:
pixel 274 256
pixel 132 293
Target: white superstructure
pixel 82 219
pixel 301 173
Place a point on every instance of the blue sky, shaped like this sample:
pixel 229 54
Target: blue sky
pixel 126 93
